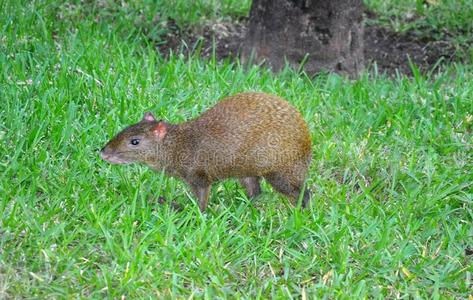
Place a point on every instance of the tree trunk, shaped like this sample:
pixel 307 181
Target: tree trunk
pixel 320 34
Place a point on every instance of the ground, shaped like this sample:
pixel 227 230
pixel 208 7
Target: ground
pixel 387 50
pixel 390 51
pixel 391 172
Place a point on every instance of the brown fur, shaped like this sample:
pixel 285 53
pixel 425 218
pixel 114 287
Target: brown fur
pixel 248 136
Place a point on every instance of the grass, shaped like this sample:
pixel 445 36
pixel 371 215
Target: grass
pixel 441 20
pixel 391 174
pixel 440 15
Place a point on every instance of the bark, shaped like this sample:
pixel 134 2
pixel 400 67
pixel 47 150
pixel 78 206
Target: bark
pixel 320 34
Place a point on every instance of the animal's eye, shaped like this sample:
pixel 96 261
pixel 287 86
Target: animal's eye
pixel 135 142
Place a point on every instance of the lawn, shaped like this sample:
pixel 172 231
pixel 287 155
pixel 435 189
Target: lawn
pixel 392 176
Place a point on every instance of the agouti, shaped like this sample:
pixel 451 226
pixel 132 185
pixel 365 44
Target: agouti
pixel 247 136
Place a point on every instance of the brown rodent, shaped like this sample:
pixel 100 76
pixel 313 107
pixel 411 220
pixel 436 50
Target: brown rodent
pixel 248 136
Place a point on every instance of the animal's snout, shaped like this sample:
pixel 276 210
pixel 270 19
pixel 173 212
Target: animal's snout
pixel 103 154
pixel 111 157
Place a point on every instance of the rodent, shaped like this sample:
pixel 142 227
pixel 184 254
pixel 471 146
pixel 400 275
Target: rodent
pixel 248 136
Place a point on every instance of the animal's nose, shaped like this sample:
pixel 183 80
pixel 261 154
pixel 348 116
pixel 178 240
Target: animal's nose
pixel 103 155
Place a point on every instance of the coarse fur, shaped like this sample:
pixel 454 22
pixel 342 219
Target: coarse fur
pixel 247 136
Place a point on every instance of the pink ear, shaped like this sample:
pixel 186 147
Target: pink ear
pixel 160 129
pixel 148 117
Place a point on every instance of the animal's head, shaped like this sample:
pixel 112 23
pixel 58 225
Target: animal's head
pixel 136 143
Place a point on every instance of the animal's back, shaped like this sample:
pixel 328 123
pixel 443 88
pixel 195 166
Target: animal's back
pixel 251 133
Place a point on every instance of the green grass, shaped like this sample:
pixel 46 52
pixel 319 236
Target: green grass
pixel 443 20
pixel 393 187
pixel 439 15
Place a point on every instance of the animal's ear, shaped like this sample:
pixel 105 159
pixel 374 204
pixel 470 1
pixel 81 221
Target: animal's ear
pixel 148 117
pixel 160 130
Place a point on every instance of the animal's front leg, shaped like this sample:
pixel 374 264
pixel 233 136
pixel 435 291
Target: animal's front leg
pixel 202 193
pixel 200 184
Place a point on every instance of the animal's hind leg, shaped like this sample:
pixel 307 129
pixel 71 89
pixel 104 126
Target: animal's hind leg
pixel 306 198
pixel 289 185
pixel 251 185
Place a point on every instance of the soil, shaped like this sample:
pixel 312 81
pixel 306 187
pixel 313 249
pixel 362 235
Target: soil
pixel 391 52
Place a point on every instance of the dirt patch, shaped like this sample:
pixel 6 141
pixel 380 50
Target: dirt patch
pixel 390 51
pixel 222 39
